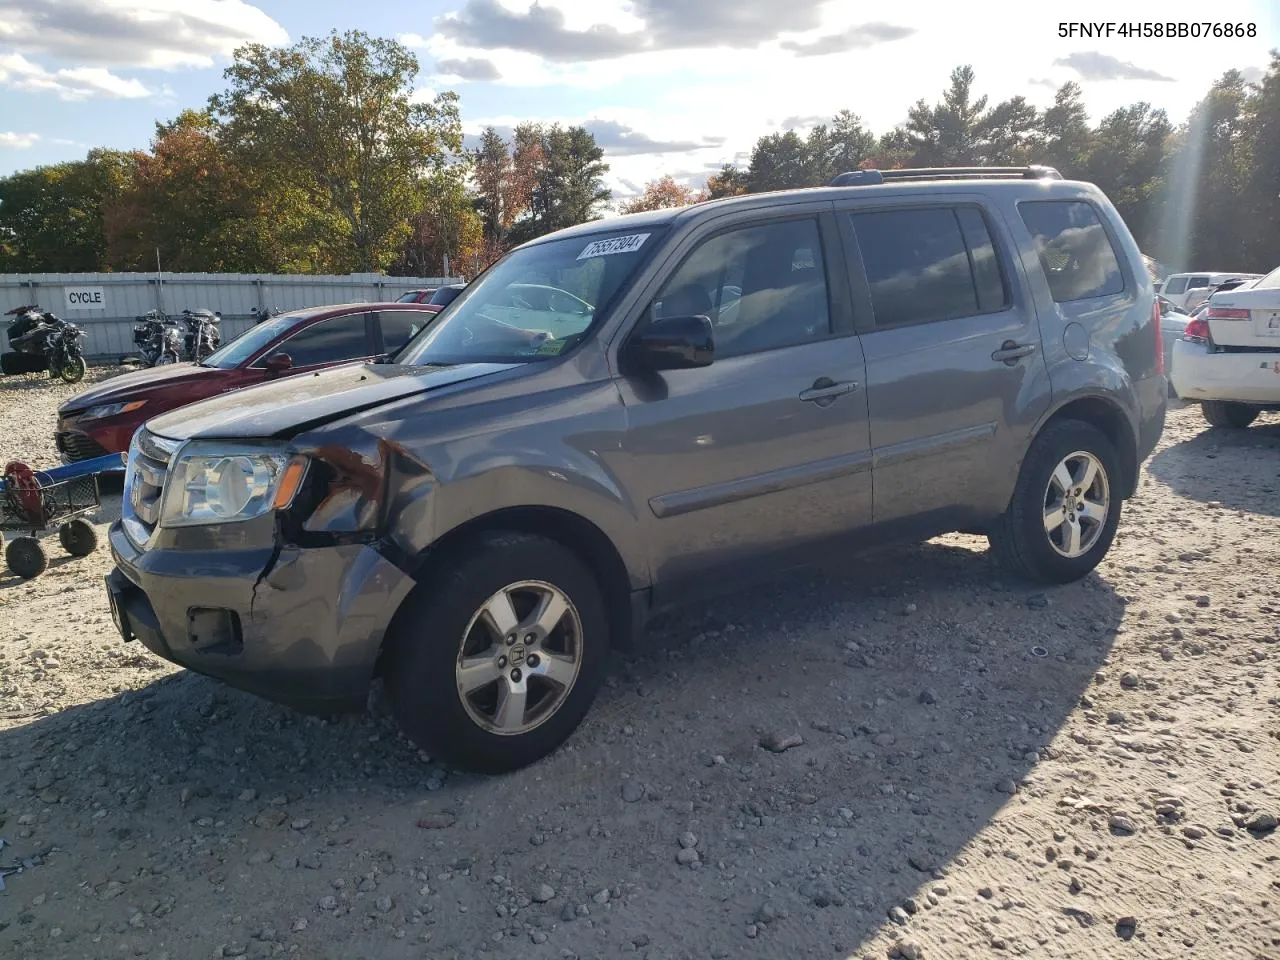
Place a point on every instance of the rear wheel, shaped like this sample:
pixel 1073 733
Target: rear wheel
pixel 1232 416
pixel 1065 508
pixel 26 558
pixel 78 537
pixel 493 661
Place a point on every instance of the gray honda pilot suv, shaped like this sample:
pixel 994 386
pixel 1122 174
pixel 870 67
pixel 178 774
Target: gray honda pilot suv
pixel 621 416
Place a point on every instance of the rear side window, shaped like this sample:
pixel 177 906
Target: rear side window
pixel 1075 251
pixel 400 326
pixel 1198 283
pixel 1176 285
pixel 929 264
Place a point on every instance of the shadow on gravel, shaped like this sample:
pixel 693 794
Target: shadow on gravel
pixel 1237 468
pixel 922 691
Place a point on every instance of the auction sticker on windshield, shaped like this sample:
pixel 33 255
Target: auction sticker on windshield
pixel 607 248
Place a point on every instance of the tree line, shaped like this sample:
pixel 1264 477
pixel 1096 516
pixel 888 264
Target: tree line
pixel 321 158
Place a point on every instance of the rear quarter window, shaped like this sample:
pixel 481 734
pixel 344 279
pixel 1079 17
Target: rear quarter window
pixel 1074 249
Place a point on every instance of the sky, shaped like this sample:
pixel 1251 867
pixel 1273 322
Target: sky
pixel 668 86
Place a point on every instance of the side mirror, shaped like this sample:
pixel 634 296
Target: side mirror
pixel 673 343
pixel 278 363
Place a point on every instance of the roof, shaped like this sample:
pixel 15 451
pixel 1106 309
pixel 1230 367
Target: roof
pixel 939 187
pixel 337 309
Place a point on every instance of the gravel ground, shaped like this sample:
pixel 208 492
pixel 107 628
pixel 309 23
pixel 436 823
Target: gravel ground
pixel 906 758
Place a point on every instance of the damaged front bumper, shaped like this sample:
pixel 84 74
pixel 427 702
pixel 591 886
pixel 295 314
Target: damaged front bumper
pixel 301 626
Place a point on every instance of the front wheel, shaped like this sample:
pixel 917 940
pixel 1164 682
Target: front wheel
pixel 73 369
pixel 1065 508
pixel 494 661
pixel 1224 413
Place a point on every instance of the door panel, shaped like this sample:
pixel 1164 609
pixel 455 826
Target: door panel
pixel 730 466
pixel 765 452
pixel 955 372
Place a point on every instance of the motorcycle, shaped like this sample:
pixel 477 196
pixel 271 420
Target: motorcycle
pixel 158 338
pixel 202 336
pixel 42 341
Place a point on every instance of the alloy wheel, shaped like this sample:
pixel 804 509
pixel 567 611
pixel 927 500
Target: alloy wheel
pixel 1077 502
pixel 519 657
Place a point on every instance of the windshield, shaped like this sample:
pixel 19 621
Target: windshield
pixel 243 347
pixel 534 304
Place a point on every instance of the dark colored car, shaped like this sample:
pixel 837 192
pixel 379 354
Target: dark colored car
pixel 757 382
pixel 102 419
pixel 445 296
pixel 416 296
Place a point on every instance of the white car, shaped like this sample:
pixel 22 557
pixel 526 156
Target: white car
pixel 1186 290
pixel 1228 359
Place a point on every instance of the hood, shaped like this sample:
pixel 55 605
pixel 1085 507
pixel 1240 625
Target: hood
pixel 136 385
pixel 289 405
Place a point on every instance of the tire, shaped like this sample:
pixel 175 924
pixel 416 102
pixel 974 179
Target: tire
pixel 78 537
pixel 26 558
pixel 73 370
pixel 430 633
pixel 1021 539
pixel 1228 415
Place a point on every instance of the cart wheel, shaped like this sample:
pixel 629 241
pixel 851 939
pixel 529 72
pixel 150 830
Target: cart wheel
pixel 78 537
pixel 26 557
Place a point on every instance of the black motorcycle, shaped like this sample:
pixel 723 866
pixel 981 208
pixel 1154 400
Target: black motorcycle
pixel 202 336
pixel 158 339
pixel 42 341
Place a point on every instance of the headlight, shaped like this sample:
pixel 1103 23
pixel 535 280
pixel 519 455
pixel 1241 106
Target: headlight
pixel 112 409
pixel 228 484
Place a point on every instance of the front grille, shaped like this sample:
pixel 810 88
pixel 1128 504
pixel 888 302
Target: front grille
pixel 78 446
pixel 149 458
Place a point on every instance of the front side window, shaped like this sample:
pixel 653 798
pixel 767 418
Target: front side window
pixel 1074 249
pixel 929 264
pixel 537 302
pixel 1176 286
pixel 763 287
pixel 243 347
pixel 329 341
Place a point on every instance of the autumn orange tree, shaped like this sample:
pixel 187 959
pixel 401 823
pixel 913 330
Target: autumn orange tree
pixel 662 194
pixel 191 203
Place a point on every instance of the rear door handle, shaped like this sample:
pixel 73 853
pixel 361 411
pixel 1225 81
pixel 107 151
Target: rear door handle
pixel 827 390
pixel 1011 352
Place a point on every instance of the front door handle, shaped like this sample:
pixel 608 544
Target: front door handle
pixel 825 391
pixel 1011 352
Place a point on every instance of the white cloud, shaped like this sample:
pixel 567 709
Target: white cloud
pixel 17 141
pixel 74 83
pixel 161 34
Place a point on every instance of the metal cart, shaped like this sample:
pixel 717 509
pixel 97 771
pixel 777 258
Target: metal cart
pixel 33 503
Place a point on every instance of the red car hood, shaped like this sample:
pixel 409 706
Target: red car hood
pixel 137 385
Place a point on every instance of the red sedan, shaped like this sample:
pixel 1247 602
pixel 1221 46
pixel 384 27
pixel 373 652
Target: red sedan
pixel 102 420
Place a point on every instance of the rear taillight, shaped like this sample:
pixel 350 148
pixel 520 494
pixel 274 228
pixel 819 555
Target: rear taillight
pixel 1155 324
pixel 1224 313
pixel 1197 329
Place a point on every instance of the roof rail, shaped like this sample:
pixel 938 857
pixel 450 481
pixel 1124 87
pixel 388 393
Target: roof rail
pixel 863 178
